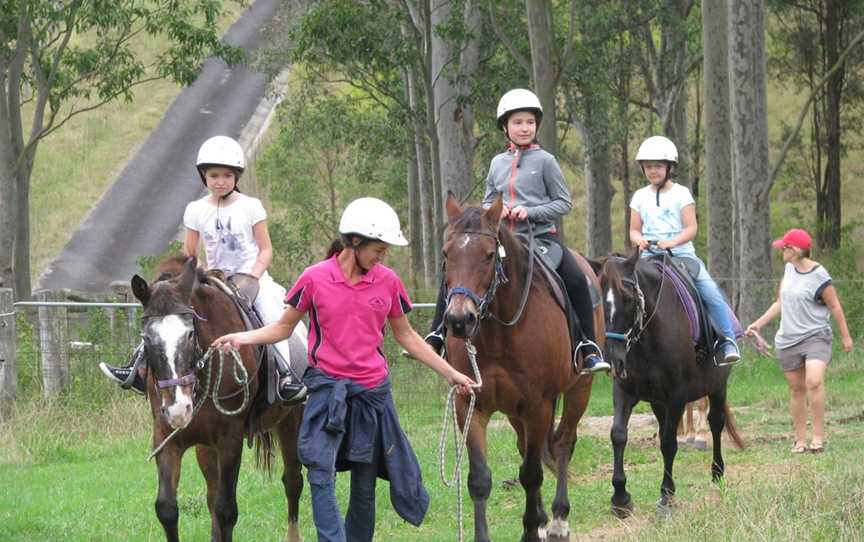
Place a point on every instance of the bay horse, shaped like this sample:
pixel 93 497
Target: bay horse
pixel 183 314
pixel 525 366
pixel 650 346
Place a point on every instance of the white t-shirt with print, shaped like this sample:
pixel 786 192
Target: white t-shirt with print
pixel 664 221
pixel 227 231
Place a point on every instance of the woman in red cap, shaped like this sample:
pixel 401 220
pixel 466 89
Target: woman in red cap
pixel 805 303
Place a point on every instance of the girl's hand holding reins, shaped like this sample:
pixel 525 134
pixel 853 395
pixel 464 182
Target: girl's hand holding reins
pixel 518 213
pixel 226 342
pixel 752 329
pixel 641 242
pixel 463 383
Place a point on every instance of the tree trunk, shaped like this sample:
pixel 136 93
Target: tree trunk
pixel 718 164
pixel 423 196
pixel 598 190
pixel 455 149
pixel 22 233
pixel 8 181
pixel 751 174
pixel 828 231
pixel 540 35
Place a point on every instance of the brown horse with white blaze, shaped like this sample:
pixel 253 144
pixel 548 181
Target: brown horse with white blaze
pixel 206 397
pixel 524 359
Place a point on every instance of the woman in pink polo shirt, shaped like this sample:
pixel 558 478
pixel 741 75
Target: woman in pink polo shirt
pixel 349 418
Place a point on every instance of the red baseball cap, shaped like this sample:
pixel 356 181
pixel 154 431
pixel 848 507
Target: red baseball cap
pixel 795 237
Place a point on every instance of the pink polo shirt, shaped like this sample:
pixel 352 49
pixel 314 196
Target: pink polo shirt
pixel 347 322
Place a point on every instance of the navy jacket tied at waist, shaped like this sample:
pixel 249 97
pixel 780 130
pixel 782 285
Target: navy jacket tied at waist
pixel 329 442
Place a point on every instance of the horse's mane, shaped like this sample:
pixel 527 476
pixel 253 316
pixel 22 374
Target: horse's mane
pixel 166 298
pixel 609 272
pixel 171 268
pixel 472 219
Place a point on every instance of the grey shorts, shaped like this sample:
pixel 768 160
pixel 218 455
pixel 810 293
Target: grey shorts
pixel 816 347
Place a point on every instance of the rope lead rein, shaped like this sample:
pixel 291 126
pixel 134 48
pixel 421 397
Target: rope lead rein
pixel 449 406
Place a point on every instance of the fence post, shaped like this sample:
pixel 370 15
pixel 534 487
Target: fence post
pixel 52 339
pixel 8 351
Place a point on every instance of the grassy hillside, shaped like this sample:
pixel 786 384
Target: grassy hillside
pixel 77 163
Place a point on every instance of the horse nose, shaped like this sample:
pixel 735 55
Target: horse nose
pixel 177 415
pixel 462 325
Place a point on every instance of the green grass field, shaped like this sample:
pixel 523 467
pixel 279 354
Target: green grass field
pixel 76 469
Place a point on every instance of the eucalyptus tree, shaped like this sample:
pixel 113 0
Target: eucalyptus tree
pixel 60 59
pixel 816 48
pixel 718 158
pixel 332 147
pixel 750 175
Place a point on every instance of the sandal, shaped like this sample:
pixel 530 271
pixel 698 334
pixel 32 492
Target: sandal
pixel 816 448
pixel 799 449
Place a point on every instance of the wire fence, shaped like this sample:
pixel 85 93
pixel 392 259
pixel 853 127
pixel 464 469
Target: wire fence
pixel 53 346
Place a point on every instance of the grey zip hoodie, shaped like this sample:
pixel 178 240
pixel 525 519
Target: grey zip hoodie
pixel 538 185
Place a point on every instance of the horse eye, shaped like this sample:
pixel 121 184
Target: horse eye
pixel 490 255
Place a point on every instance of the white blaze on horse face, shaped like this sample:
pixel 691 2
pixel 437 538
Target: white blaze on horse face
pixel 465 240
pixel 610 300
pixel 172 331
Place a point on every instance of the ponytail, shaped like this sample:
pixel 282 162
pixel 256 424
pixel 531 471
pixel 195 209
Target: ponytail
pixel 344 241
pixel 336 247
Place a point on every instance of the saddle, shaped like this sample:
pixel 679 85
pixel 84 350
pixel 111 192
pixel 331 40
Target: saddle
pixel 704 331
pixel 242 288
pixel 549 255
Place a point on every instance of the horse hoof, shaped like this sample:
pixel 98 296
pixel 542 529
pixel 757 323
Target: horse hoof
pixel 559 529
pixel 666 507
pixel 623 511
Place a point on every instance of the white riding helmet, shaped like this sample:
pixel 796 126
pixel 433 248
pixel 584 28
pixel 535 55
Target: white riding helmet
pixel 658 148
pixel 518 99
pixel 221 151
pixel 374 219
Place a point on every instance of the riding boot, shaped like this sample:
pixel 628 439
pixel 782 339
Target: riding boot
pixel 291 388
pixel 437 330
pixel 594 362
pixel 128 376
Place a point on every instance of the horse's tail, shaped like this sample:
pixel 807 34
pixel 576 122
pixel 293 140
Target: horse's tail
pixel 732 429
pixel 264 452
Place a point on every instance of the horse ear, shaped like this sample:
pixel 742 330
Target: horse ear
pixel 597 265
pixel 141 290
pixel 492 216
pixel 188 278
pixel 454 211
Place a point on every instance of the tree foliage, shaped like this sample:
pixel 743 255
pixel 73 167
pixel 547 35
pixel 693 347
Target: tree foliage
pixel 332 148
pixel 59 59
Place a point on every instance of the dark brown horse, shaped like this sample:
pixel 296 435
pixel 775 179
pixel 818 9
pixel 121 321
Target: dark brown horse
pixel 183 314
pixel 650 345
pixel 525 366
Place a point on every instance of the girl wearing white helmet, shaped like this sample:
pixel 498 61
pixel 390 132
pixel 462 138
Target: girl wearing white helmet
pixel 233 228
pixel 349 297
pixel 535 195
pixel 663 214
